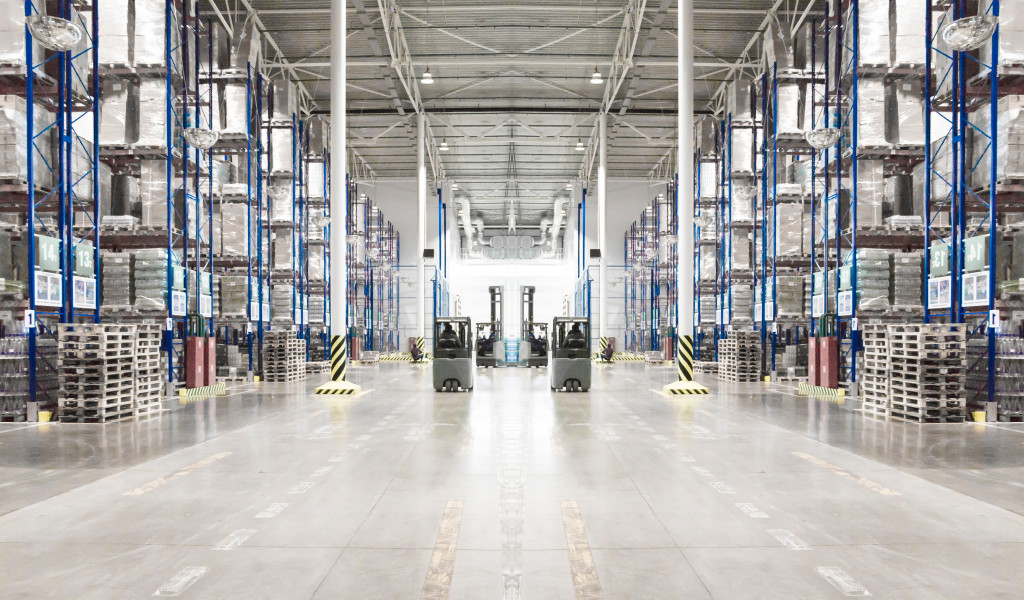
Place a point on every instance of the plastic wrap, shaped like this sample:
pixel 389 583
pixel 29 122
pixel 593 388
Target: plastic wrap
pixel 150 26
pixel 789 108
pixel 741 210
pixel 742 302
pixel 740 252
pixel 789 229
pixel 778 43
pixel 281 301
pixel 907 31
pixel 150 278
pixel 705 130
pixel 119 112
pixel 152 113
pixel 899 194
pixel 905 112
pixel 124 194
pixel 1011 31
pixel 708 179
pixel 234 225
pixel 1009 150
pixel 316 266
pixel 284 99
pixel 874 33
pixel 739 100
pixel 316 309
pixel 117 32
pixel 319 134
pixel 234 294
pixel 808 46
pixel 245 45
pixel 152 193
pixel 874 278
pixel 742 150
pixel 908 279
pixel 870 193
pixel 942 62
pixel 216 36
pixel 283 250
pixel 281 150
pixel 315 180
pixel 14 141
pixel 871 113
pixel 12 32
pixel 790 296
pixel 116 280
pixel 234 107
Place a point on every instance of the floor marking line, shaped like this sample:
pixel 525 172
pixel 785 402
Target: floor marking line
pixel 234 539
pixel 272 511
pixel 722 487
pixel 847 585
pixel 751 511
pixel 871 485
pixel 321 472
pixel 789 539
pixel 581 560
pixel 152 485
pixel 32 426
pixel 702 471
pixel 301 487
pixel 181 581
pixel 438 580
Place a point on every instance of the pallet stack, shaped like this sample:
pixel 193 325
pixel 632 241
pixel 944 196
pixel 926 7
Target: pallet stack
pixel 739 357
pixel 285 357
pixel 97 369
pixel 703 367
pixel 927 369
pixel 875 374
pixel 149 377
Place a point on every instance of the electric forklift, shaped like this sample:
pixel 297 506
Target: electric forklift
pixel 533 346
pixel 453 354
pixel 490 346
pixel 570 354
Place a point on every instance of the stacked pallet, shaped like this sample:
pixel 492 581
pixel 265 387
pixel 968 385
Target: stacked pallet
pixel 97 368
pixel 739 357
pixel 324 366
pixel 875 373
pixel 703 367
pixel 285 356
pixel 927 368
pixel 149 379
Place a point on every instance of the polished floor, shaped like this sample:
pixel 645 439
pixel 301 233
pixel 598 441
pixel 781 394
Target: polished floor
pixel 512 492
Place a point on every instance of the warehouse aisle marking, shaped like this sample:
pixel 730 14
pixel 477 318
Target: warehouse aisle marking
pixel 581 560
pixel 438 581
pixel 751 511
pixel 321 472
pixel 20 428
pixel 847 585
pixel 871 485
pixel 272 511
pixel 152 485
pixel 234 539
pixel 789 539
pixel 181 581
pixel 301 487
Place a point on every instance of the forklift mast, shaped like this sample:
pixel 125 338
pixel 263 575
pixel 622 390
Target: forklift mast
pixel 497 309
pixel 526 310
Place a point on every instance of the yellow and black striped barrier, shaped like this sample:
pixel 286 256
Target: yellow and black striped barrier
pixel 338 386
pixel 217 389
pixel 398 357
pixel 816 391
pixel 686 386
pixel 628 357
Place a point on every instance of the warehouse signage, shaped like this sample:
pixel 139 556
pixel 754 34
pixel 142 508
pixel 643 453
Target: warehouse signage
pixel 939 292
pixel 846 303
pixel 179 303
pixel 85 292
pixel 206 306
pixel 818 305
pixel 48 289
pixel 975 290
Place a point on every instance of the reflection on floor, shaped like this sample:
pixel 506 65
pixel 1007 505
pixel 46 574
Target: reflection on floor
pixel 511 492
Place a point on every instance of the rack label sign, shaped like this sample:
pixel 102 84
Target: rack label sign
pixel 179 303
pixel 206 306
pixel 85 292
pixel 48 289
pixel 940 293
pixel 846 303
pixel 818 305
pixel 975 290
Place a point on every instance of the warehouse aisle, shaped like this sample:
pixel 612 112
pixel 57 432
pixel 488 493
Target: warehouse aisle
pixel 511 492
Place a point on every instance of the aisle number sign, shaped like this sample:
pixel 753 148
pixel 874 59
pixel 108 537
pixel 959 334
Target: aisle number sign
pixel 47 253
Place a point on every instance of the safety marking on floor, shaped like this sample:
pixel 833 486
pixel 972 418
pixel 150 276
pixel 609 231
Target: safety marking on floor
pixel 438 581
pixel 321 472
pixel 702 471
pixel 805 389
pixel 606 433
pixel 416 433
pixel 846 585
pixel 217 389
pixel 751 511
pixel 871 485
pixel 789 539
pixel 722 487
pixel 581 560
pixel 152 485
pixel 272 511
pixel 181 582
pixel 301 487
pixel 234 539
pixel 30 426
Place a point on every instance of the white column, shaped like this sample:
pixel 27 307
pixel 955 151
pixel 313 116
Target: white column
pixel 602 220
pixel 339 168
pixel 684 195
pixel 421 223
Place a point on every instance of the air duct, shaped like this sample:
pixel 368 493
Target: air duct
pixel 545 225
pixel 556 225
pixel 479 224
pixel 467 228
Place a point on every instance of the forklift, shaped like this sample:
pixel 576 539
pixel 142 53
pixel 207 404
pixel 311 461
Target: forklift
pixel 453 354
pixel 570 354
pixel 533 346
pixel 490 346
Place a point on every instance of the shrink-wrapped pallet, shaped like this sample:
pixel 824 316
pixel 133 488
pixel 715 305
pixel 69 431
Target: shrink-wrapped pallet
pixel 874 33
pixel 871 131
pixel 119 112
pixel 117 32
pixel 742 150
pixel 788 108
pixel 899 194
pixel 150 30
pixel 1011 31
pixel 870 193
pixel 283 250
pixel 789 229
pixel 778 44
pixel 153 113
pixel 739 100
pixel 907 31
pixel 281 150
pixel 1009 144
pixel 245 45
pixel 234 108
pixel 14 144
pixel 905 112
pixel 235 220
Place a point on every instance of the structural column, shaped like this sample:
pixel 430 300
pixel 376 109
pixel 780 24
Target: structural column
pixel 421 224
pixel 602 221
pixel 684 188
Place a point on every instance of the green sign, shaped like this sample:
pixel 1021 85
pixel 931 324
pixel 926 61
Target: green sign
pixel 845 278
pixel 84 264
pixel 938 264
pixel 178 282
pixel 976 253
pixel 47 253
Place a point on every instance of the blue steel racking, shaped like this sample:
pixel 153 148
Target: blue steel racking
pixel 72 96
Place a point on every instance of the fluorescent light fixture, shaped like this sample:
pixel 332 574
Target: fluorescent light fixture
pixel 823 137
pixel 970 33
pixel 201 138
pixel 53 32
pixel 427 77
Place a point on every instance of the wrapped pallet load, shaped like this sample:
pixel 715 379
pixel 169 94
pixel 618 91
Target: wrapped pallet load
pixel 117 35
pixel 1009 150
pixel 874 33
pixel 119 112
pixel 739 100
pixel 153 113
pixel 742 150
pixel 871 208
pixel 1011 31
pixel 871 130
pixel 150 30
pixel 907 31
pixel 789 229
pixel 14 142
pixel 905 112
pixel 778 44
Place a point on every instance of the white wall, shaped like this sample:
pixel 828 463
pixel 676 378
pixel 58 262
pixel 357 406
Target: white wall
pixel 627 198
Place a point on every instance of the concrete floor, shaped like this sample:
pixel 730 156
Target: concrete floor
pixel 511 492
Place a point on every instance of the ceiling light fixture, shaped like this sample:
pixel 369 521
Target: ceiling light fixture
pixel 427 77
pixel 580 147
pixel 55 33
pixel 970 33
pixel 596 77
pixel 568 186
pixel 444 146
pixel 455 185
